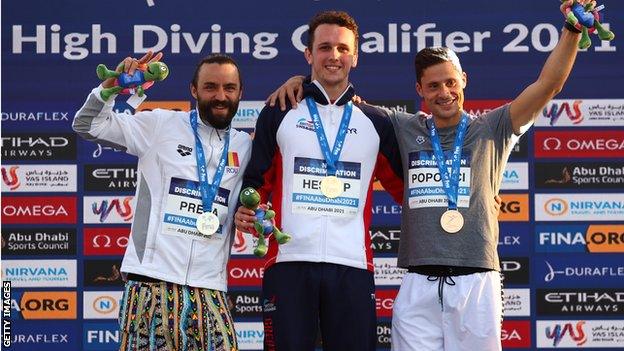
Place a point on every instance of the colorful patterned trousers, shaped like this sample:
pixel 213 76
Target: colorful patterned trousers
pixel 172 317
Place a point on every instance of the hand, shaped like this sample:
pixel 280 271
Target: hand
pixel 498 203
pixel 130 64
pixel 293 89
pixel 244 219
pixel 356 99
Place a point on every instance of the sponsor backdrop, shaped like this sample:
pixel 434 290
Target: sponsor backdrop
pixel 68 203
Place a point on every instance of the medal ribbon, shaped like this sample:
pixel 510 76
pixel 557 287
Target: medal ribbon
pixel 450 183
pixel 330 157
pixel 208 191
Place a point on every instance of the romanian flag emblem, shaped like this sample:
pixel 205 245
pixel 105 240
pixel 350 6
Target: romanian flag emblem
pixel 233 159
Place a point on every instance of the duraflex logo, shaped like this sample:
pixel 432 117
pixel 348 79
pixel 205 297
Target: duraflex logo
pixel 604 271
pixel 583 302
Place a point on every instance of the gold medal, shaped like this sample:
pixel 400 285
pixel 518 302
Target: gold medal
pixel 332 187
pixel 207 223
pixel 452 221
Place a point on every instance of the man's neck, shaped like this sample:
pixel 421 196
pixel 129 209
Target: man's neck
pixel 447 122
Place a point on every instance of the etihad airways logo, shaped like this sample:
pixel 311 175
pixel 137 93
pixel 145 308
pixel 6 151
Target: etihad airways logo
pixel 578 207
pixel 554 110
pixel 107 209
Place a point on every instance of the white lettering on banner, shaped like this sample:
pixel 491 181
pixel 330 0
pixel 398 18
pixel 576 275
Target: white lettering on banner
pixel 397 38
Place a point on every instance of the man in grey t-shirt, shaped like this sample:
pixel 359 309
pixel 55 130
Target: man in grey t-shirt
pixel 453 164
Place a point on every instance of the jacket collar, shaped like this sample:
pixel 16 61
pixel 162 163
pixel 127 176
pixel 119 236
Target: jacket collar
pixel 315 90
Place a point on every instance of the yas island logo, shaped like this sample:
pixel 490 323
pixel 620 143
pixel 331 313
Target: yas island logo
pixel 577 334
pixel 10 177
pixel 305 124
pixel 104 208
pixel 556 207
pixel 573 111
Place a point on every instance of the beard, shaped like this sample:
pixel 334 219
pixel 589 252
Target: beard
pixel 219 122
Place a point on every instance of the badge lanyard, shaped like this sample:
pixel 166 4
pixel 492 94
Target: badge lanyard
pixel 330 157
pixel 208 191
pixel 450 183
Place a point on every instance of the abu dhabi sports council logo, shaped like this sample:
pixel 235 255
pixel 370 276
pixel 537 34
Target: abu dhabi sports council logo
pixel 576 333
pixel 306 124
pixel 556 207
pixel 10 177
pixel 555 110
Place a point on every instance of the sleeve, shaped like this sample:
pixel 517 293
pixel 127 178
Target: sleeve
pixel 96 121
pixel 388 168
pixel 499 123
pixel 265 163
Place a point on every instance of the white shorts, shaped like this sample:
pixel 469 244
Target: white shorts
pixel 470 319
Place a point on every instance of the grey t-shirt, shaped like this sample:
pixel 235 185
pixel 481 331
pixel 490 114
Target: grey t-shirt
pixel 486 147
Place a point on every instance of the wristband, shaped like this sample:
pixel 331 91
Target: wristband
pixel 571 28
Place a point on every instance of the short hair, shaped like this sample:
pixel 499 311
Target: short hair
pixel 220 59
pixel 340 18
pixel 431 56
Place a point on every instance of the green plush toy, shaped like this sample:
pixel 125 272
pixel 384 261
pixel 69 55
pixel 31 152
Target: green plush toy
pixel 587 20
pixel 143 78
pixel 264 225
